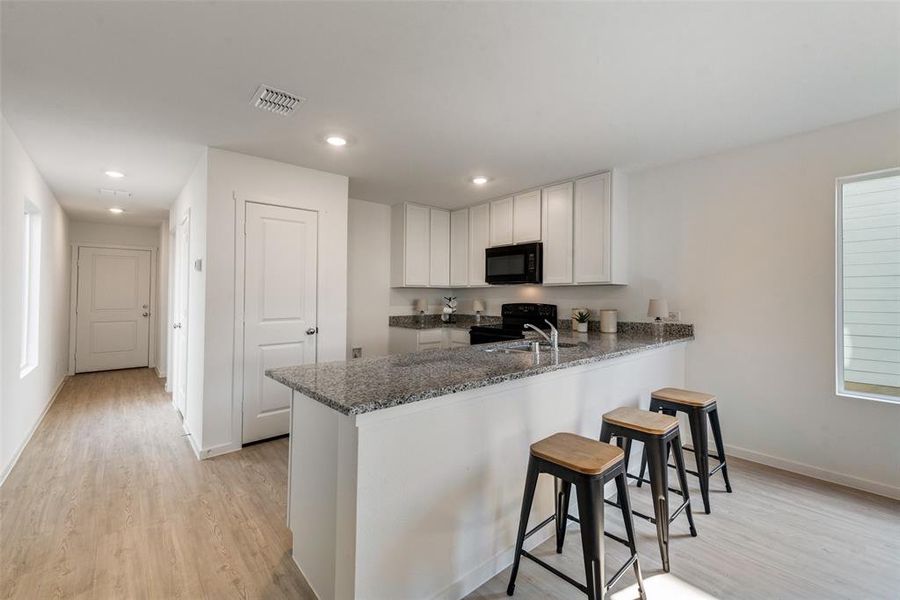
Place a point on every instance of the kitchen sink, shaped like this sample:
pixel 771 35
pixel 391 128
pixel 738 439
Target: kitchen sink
pixel 525 347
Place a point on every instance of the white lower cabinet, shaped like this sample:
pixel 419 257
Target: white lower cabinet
pixel 402 340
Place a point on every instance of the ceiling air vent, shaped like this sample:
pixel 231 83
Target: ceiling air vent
pixel 276 101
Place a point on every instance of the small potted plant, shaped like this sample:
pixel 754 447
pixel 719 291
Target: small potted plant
pixel 581 320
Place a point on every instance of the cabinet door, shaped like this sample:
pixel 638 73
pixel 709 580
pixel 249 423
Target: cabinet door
pixel 557 234
pixel 502 222
pixel 527 217
pixel 479 237
pixel 459 338
pixel 439 270
pixel 459 247
pixel 592 229
pixel 416 249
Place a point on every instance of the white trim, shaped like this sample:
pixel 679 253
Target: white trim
pixel 219 450
pixel 73 299
pixel 858 483
pixel 18 453
pixel 839 286
pixel 305 578
pixel 191 440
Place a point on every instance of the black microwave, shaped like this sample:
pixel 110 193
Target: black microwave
pixel 508 265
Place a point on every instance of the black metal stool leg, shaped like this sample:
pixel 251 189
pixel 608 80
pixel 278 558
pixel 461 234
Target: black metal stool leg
pixel 527 500
pixel 720 445
pixel 640 481
pixel 659 485
pixel 700 439
pixel 590 514
pixel 625 504
pixel 682 480
pixel 562 514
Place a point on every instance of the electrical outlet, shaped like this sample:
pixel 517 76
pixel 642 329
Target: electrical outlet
pixel 675 315
pixel 357 353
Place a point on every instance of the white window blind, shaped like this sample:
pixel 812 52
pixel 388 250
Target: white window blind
pixel 869 294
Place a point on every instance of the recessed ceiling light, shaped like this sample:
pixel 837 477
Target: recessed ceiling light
pixel 115 174
pixel 336 140
pixel 480 180
pixel 117 211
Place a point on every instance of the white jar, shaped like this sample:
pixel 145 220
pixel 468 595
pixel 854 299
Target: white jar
pixel 609 319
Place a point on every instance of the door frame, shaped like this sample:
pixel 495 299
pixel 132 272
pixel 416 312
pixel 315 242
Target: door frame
pixel 177 372
pixel 73 298
pixel 237 366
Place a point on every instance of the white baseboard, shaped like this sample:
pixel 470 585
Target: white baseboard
pixel 874 487
pixel 209 452
pixel 159 373
pixel 12 463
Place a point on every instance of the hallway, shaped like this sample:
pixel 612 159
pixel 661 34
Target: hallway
pixel 109 501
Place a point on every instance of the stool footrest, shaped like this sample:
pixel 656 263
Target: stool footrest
pixel 636 513
pixel 539 526
pixel 645 480
pixel 615 578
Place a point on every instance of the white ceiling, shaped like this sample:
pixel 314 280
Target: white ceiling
pixel 431 93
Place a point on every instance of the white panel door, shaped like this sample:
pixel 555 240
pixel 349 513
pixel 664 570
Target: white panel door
pixel 527 217
pixel 439 270
pixel 479 238
pixel 502 222
pixel 279 310
pixel 113 309
pixel 459 247
pixel 557 234
pixel 417 249
pixel 592 229
pixel 180 302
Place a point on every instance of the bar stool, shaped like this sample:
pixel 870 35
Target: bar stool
pixel 698 407
pixel 658 433
pixel 588 465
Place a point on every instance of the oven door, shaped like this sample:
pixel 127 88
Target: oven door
pixel 507 265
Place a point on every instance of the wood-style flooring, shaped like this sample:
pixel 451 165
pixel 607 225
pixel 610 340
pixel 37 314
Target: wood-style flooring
pixel 109 501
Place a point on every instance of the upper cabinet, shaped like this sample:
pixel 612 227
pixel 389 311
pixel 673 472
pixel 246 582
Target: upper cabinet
pixel 583 225
pixel 459 247
pixel 557 234
pixel 439 234
pixel 502 222
pixel 600 222
pixel 479 239
pixel 527 217
pixel 420 246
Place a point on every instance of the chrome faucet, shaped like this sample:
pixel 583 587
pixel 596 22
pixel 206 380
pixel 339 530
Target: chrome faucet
pixel 552 339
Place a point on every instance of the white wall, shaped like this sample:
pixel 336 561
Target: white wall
pixel 192 201
pixel 162 300
pixel 743 243
pixel 251 178
pixel 23 400
pixel 84 232
pixel 368 277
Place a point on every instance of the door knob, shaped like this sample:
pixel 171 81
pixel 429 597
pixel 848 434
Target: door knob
pixel 176 326
pixel 146 314
pixel 312 330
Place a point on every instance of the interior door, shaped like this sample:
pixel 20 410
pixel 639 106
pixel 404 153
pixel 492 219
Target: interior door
pixel 280 261
pixel 181 301
pixel 113 309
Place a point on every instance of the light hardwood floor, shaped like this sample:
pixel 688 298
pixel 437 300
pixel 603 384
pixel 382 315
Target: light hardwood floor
pixel 108 501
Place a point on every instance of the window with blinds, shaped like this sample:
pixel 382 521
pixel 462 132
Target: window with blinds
pixel 868 282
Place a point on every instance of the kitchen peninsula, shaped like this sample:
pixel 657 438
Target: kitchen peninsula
pixel 406 471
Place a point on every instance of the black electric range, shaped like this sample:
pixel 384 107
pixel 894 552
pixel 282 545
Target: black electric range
pixel 515 317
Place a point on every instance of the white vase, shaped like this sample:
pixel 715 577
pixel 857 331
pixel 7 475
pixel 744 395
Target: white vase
pixel 581 327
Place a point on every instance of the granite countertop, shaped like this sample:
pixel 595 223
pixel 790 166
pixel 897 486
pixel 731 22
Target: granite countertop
pixel 368 384
pixel 460 321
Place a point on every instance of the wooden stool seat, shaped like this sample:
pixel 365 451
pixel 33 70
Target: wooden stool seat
pixel 680 396
pixel 580 454
pixel 653 423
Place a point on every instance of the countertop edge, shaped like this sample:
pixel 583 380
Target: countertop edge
pixel 367 407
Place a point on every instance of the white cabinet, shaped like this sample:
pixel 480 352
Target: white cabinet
pixel 410 233
pixel 458 338
pixel 600 228
pixel 402 340
pixel 557 234
pixel 527 217
pixel 459 247
pixel 502 222
pixel 479 239
pixel 439 261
